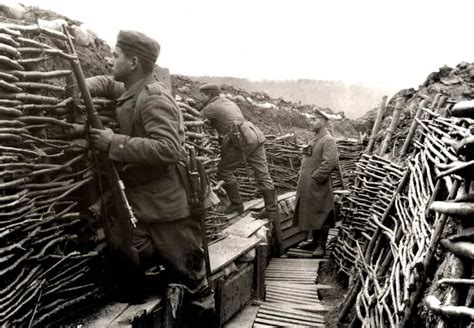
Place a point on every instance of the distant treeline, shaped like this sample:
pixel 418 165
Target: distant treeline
pixel 354 99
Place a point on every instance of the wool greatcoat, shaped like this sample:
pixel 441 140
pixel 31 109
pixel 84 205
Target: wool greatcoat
pixel 148 147
pixel 146 151
pixel 314 197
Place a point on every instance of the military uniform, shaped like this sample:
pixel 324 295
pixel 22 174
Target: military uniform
pixel 147 150
pixel 223 115
pixel 226 117
pixel 314 196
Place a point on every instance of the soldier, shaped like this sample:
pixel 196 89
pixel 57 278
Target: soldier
pixel 147 149
pixel 314 198
pixel 240 141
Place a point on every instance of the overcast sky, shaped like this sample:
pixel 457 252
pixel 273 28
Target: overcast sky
pixel 393 44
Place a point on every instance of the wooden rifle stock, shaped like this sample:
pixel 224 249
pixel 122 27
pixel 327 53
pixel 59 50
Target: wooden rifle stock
pixel 195 185
pixel 118 187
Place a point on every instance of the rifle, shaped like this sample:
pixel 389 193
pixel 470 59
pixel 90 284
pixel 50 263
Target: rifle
pixel 237 138
pixel 197 198
pixel 125 216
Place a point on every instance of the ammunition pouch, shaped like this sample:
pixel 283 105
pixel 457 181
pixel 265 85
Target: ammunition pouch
pixel 236 137
pixel 195 183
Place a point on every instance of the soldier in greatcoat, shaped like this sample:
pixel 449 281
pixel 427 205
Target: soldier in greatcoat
pixel 314 209
pixel 147 150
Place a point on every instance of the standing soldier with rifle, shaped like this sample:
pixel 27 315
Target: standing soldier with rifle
pixel 146 152
pixel 241 142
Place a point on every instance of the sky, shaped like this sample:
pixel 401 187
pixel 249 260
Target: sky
pixel 387 44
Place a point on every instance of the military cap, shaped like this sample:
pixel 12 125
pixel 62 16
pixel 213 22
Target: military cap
pixel 138 44
pixel 210 87
pixel 320 113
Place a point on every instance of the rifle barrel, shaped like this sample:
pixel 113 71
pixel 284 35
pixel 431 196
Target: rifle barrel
pixel 95 122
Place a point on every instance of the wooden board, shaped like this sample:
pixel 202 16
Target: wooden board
pixel 313 307
pixel 243 318
pixel 245 227
pixel 286 195
pixel 289 232
pixel 290 320
pixel 257 204
pixel 126 317
pixel 276 323
pixel 227 250
pixel 237 292
pixel 121 314
pixel 290 313
pixel 295 239
pixel 107 314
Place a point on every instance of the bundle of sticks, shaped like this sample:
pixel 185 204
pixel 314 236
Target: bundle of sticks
pixel 445 298
pixel 349 154
pixel 46 245
pixel 392 268
pixel 284 158
pixel 365 206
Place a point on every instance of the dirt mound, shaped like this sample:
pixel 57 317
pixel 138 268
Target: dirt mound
pixel 454 83
pixel 92 51
pixel 272 115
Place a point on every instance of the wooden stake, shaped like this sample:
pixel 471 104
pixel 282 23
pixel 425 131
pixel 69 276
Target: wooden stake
pixel 411 132
pixel 393 126
pixel 377 124
pixel 437 230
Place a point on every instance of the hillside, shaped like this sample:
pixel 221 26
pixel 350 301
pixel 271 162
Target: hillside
pixel 353 99
pixel 272 115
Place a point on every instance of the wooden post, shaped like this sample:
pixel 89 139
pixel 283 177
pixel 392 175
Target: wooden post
pixel 260 268
pixel 412 131
pixel 377 124
pixel 393 126
pixel 219 300
pixel 341 177
pixel 375 130
pixel 349 301
pixel 437 230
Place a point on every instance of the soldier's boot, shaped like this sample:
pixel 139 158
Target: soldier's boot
pixel 233 193
pixel 321 237
pixel 308 245
pixel 174 305
pixel 261 214
pixel 273 214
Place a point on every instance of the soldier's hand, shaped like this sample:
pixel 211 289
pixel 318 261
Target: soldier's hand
pixel 101 139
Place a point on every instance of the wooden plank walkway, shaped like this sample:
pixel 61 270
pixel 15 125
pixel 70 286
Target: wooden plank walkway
pixel 291 294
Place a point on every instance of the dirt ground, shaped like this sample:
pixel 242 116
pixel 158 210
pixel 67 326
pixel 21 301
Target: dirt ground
pixel 332 297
